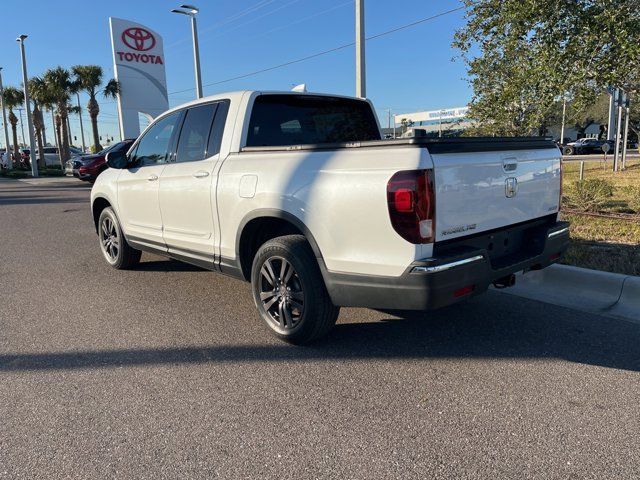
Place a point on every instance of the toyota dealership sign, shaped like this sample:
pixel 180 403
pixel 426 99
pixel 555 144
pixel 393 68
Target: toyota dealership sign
pixel 138 59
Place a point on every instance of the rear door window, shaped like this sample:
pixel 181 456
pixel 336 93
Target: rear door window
pixel 281 120
pixel 217 129
pixel 194 136
pixel 201 132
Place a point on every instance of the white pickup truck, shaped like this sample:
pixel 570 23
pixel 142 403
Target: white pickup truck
pixel 298 194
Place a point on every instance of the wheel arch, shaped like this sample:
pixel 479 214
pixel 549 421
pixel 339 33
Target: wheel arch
pixel 98 204
pixel 262 225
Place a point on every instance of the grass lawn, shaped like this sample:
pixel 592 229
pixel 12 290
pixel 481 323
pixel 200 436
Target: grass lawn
pixel 604 243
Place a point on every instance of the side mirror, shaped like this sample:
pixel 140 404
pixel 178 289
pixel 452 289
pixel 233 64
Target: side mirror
pixel 117 159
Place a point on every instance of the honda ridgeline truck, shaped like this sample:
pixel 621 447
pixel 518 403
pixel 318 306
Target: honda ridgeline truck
pixel 298 194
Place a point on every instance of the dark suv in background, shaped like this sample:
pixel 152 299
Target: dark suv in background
pixel 89 167
pixel 584 146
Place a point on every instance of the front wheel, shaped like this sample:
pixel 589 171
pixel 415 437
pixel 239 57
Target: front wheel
pixel 117 252
pixel 289 291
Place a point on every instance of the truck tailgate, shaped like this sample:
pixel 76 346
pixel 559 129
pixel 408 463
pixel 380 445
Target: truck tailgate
pixel 480 191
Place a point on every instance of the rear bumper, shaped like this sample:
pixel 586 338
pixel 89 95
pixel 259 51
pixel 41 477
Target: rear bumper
pixel 443 280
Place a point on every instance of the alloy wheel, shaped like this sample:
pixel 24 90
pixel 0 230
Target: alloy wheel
pixel 109 240
pixel 281 293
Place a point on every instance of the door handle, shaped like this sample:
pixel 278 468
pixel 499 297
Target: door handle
pixel 152 178
pixel 201 174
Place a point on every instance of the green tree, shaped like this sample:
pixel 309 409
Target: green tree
pixel 13 98
pixel 583 118
pixel 39 93
pixel 406 124
pixel 524 55
pixel 89 78
pixel 61 86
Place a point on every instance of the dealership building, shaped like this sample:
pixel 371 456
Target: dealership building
pixel 451 122
pixel 446 122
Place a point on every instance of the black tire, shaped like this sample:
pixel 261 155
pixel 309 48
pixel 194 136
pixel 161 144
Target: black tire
pixel 115 249
pixel 296 308
pixel 568 150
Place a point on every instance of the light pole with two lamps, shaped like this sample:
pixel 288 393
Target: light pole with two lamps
pixel 25 81
pixel 191 12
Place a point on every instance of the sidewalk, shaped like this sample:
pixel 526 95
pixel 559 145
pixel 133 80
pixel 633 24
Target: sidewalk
pixel 593 291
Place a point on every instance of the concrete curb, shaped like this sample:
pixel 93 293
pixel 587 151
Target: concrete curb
pixel 582 289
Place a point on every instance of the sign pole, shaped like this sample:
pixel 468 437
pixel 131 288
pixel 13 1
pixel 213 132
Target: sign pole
pixel 616 150
pixel 626 136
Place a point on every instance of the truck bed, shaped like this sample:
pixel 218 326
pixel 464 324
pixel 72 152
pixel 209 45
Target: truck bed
pixel 434 145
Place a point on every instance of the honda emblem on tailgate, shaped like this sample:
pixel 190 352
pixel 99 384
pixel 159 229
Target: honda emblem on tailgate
pixel 511 187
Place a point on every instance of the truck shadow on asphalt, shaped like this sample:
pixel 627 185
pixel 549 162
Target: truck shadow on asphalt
pixel 24 200
pixel 464 331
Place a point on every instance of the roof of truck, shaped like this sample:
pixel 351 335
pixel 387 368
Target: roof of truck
pixel 238 94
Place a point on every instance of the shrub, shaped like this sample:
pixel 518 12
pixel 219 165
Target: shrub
pixel 590 195
pixel 633 197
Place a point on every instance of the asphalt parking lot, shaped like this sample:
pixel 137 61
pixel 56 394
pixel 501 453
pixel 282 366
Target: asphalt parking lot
pixel 166 372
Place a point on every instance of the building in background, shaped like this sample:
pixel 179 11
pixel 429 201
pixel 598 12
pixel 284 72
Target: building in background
pixel 446 122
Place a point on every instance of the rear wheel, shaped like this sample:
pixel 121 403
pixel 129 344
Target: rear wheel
pixel 289 291
pixel 115 249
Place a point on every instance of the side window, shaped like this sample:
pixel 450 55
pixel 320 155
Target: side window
pixel 153 146
pixel 195 133
pixel 217 129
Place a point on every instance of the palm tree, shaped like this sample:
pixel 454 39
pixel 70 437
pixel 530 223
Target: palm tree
pixel 61 86
pixel 89 78
pixel 41 98
pixel 111 89
pixel 13 98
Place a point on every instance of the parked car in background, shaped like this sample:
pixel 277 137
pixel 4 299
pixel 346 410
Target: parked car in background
pixel 4 158
pixel 584 146
pixel 51 156
pixel 88 167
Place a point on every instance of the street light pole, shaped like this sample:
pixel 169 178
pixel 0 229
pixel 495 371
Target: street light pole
pixel 191 11
pixel 564 112
pixel 4 123
pixel 25 81
pixel 84 148
pixel 196 56
pixel 361 71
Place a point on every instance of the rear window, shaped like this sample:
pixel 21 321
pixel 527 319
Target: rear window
pixel 280 120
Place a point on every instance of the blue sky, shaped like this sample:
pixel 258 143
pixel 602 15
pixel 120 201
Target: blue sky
pixel 409 70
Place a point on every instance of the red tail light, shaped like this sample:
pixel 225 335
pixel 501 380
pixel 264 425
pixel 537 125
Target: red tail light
pixel 411 201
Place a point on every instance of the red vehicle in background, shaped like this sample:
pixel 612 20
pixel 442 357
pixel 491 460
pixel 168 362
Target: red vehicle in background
pixel 89 167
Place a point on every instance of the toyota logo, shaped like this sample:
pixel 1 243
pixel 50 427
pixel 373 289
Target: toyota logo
pixel 138 39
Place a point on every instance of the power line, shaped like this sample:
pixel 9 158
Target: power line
pixel 301 20
pixel 255 19
pixel 229 19
pixel 325 52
